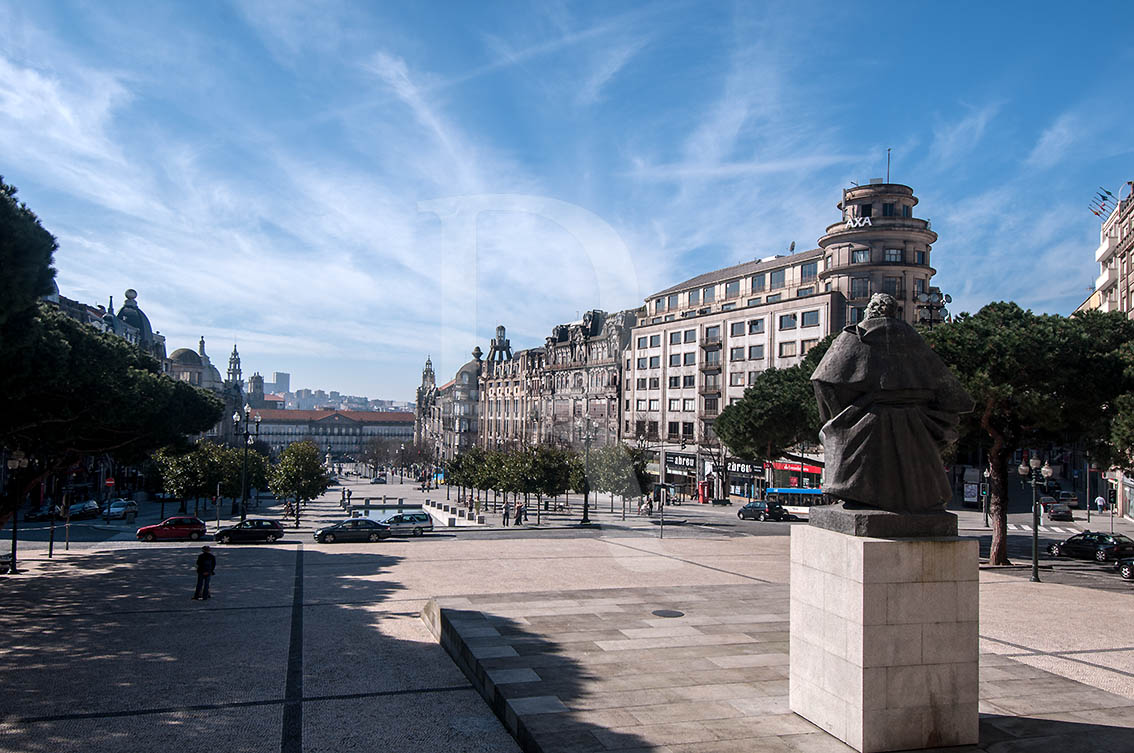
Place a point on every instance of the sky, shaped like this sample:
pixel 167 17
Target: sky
pixel 343 188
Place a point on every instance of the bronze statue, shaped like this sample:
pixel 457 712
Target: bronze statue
pixel 889 405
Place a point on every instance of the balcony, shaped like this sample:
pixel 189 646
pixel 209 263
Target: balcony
pixel 711 343
pixel 708 366
pixel 709 389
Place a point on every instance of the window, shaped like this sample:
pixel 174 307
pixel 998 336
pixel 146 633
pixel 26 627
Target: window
pixel 732 289
pixel 809 290
pixel 674 359
pixel 787 350
pixel 674 382
pixel 753 301
pixel 887 210
pixel 655 383
pixel 641 383
pixel 674 428
pixel 907 211
pixel 671 302
pixel 689 359
pixel 674 338
pixel 860 287
pixel 655 341
pixel 865 210
pixel 776 279
pixel 809 318
pixel 807 345
pixel 755 352
pixel 752 377
pixel 655 404
pixel 641 342
pixel 669 318
pixel 736 329
pixel 712 382
pixel 694 297
pixel 709 295
pixel 919 286
pixel 713 334
pixel 675 403
pixel 919 256
pixel 755 326
pixel 860 255
pixel 827 263
pixel 655 362
pixel 687 429
pixel 640 404
pixel 712 405
pixel 773 298
pixel 736 354
pixel 690 335
pixel 659 305
pixel 893 286
pixel 736 379
pixel 728 306
pixel 713 358
pixel 688 404
pixel 689 380
pixel 788 321
pixel 856 314
pixel 641 363
pixel 892 255
pixel 808 271
pixel 627 364
pixel 758 283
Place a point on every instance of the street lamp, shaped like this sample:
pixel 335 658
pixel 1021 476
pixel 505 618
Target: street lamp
pixel 931 307
pixel 16 461
pixel 401 463
pixel 587 436
pixel 240 425
pixel 1032 473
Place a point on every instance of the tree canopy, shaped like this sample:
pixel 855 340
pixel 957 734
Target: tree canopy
pixel 299 475
pixel 26 250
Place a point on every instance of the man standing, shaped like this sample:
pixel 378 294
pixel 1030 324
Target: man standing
pixel 206 566
pixel 507 511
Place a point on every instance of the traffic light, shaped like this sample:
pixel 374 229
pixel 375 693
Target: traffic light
pixel 683 443
pixel 1112 496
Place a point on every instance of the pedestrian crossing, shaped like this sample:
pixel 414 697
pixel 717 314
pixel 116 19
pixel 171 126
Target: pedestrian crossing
pixel 1044 529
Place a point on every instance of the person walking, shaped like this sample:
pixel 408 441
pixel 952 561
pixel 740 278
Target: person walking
pixel 507 512
pixel 519 513
pixel 206 566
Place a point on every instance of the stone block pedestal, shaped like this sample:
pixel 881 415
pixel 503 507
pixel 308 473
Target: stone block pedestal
pixel 884 638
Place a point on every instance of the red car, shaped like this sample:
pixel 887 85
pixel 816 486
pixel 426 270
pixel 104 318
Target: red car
pixel 180 527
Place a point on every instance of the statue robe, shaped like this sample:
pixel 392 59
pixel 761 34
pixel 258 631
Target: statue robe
pixel 890 406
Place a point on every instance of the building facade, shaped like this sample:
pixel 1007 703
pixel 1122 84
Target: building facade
pixel 511 391
pixel 342 434
pixel 447 418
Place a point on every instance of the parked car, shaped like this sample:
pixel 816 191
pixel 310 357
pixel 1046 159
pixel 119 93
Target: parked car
pixel 759 509
pixel 378 479
pixel 415 523
pixel 1068 498
pixel 722 501
pixel 1059 511
pixel 1100 547
pixel 177 527
pixel 1046 501
pixel 81 510
pixel 1125 567
pixel 253 529
pixel 43 513
pixel 122 508
pixel 355 529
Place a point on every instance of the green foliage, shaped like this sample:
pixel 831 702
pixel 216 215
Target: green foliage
pixel 618 469
pixel 299 475
pixel 777 412
pixel 26 249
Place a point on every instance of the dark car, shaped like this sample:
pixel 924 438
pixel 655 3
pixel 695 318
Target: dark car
pixel 378 480
pixel 355 529
pixel 1059 511
pixel 722 501
pixel 1097 546
pixel 253 529
pixel 1125 567
pixel 43 513
pixel 759 509
pixel 177 527
pixel 81 510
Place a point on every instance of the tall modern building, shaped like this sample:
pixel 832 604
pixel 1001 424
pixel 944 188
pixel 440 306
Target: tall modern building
pixel 1114 288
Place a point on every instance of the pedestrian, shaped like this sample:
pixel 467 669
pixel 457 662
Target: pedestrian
pixel 206 566
pixel 507 513
pixel 1100 503
pixel 519 513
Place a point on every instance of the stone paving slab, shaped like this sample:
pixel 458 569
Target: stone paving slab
pixel 597 670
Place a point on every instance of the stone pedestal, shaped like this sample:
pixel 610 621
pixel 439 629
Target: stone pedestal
pixel 884 638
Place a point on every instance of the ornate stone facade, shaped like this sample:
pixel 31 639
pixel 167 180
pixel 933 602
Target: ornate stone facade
pixel 447 417
pixel 511 394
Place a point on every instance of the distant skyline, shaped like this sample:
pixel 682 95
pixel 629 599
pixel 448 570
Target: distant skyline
pixel 307 177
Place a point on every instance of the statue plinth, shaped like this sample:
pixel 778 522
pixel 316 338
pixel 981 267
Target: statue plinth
pixel 859 520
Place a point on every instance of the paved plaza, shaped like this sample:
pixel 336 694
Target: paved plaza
pixel 308 647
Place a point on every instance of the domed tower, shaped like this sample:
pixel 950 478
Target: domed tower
pixel 499 351
pixel 256 390
pixel 427 377
pixel 878 247
pixel 132 315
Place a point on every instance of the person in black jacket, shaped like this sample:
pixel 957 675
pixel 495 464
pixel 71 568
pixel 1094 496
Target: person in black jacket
pixel 206 566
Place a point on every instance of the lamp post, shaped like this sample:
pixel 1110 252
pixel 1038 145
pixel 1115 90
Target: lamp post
pixel 16 461
pixel 401 464
pixel 931 307
pixel 588 436
pixel 240 426
pixel 1032 473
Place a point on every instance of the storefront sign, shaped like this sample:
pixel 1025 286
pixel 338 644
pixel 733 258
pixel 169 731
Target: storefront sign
pixel 782 466
pixel 744 468
pixel 680 460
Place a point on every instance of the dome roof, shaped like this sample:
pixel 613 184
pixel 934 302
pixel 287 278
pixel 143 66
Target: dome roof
pixel 185 357
pixel 132 315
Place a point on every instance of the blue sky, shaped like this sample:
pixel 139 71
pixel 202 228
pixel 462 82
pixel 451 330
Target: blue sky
pixel 346 187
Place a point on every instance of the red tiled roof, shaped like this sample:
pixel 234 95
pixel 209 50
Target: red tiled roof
pixel 280 415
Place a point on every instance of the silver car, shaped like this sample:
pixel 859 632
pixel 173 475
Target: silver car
pixel 414 523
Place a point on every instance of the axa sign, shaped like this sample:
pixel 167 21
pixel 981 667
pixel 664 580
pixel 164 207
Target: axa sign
pixel 859 222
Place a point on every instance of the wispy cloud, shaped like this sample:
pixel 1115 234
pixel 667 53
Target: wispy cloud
pixel 1056 141
pixel 955 139
pixel 610 62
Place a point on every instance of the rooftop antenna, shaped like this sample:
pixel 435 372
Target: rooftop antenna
pixel 887 164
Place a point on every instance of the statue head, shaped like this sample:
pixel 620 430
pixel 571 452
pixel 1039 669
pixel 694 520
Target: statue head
pixel 881 305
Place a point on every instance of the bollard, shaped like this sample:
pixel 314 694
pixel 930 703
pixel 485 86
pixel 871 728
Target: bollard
pixel 480 519
pixel 452 522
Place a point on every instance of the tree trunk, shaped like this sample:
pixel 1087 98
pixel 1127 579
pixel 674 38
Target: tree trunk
pixel 998 456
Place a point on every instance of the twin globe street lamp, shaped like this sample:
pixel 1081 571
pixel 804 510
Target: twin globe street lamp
pixel 1032 473
pixel 240 425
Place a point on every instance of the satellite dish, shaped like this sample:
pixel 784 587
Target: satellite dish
pixel 791 248
pixel 948 298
